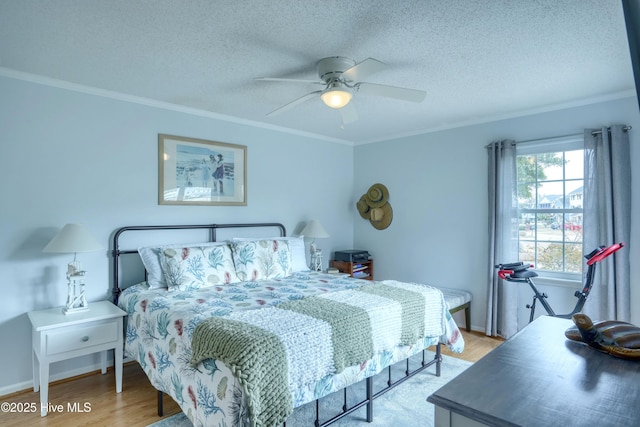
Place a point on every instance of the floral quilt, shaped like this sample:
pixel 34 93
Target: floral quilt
pixel 161 324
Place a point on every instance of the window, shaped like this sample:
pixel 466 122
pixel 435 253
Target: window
pixel 550 189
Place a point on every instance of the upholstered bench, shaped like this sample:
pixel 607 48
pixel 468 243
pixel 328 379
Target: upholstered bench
pixel 457 300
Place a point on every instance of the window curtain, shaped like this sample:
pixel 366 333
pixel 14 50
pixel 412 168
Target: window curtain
pixel 607 219
pixel 502 299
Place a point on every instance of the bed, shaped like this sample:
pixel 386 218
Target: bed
pixel 239 332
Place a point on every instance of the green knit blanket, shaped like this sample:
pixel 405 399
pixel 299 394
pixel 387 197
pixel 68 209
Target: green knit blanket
pixel 258 357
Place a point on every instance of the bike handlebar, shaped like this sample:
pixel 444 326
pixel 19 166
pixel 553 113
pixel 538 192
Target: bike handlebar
pixel 605 252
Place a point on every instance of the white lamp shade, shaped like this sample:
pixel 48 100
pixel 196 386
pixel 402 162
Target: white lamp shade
pixel 314 230
pixel 73 238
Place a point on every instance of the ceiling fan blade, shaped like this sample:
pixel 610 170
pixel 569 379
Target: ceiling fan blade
pixel 363 69
pixel 276 79
pixel 349 113
pixel 293 103
pixel 401 93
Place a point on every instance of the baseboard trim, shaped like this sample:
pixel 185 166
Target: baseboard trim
pixel 25 386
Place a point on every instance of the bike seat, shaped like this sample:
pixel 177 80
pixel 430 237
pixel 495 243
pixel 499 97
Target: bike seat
pixel 523 274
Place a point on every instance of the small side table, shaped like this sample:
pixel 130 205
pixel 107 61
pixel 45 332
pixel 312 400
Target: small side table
pixel 57 336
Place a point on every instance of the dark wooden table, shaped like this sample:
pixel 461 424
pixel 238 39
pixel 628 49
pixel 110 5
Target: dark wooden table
pixel 539 378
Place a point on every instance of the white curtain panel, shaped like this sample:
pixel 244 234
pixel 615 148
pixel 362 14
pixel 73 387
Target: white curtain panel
pixel 607 219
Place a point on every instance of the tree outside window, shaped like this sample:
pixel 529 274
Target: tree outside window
pixel 550 202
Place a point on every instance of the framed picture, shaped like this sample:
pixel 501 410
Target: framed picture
pixel 200 172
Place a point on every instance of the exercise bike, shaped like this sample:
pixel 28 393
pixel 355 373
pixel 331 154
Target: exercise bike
pixel 519 272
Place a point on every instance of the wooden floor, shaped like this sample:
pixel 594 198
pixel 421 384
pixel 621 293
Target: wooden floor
pixel 476 346
pixel 136 405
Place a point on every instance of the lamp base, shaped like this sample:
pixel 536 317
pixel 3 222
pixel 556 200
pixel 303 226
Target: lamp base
pixel 74 310
pixel 316 260
pixel 76 301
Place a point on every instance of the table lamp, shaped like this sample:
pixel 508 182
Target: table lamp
pixel 74 238
pixel 314 230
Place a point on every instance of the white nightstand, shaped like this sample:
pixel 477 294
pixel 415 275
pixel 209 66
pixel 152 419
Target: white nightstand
pixel 57 336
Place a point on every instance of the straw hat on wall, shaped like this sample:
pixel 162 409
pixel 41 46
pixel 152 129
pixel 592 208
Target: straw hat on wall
pixel 374 206
pixel 377 195
pixel 381 217
pixel 363 207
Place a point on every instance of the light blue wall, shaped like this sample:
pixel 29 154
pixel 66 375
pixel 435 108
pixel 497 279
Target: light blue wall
pixel 438 190
pixel 67 156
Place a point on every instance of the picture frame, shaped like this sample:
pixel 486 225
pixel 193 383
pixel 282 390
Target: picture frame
pixel 195 171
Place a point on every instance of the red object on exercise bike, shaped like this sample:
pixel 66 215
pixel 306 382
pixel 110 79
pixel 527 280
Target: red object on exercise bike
pixel 519 272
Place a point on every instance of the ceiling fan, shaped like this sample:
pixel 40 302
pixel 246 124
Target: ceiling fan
pixel 342 79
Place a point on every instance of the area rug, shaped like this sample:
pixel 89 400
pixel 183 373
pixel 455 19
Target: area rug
pixel 405 405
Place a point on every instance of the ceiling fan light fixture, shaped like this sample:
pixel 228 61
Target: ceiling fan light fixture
pixel 336 96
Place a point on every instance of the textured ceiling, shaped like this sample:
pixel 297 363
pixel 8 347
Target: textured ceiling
pixel 477 60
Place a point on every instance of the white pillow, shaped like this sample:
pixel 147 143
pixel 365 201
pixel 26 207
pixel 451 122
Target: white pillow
pixel 262 259
pixel 150 256
pixel 296 246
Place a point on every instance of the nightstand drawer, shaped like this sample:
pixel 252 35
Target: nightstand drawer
pixel 77 338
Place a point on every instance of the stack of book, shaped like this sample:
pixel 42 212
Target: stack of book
pixel 360 271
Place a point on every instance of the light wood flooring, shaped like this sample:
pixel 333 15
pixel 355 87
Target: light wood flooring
pixel 136 405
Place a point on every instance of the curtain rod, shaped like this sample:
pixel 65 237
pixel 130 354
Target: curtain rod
pixel 625 128
pixel 575 135
pixel 595 132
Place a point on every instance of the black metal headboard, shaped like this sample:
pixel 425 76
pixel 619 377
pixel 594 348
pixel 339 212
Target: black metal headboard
pixel 117 252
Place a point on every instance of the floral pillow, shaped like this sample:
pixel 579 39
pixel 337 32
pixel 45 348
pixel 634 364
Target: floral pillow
pixel 262 259
pixel 296 246
pixel 195 267
pixel 150 256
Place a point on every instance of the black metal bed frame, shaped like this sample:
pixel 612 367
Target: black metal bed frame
pixel 116 252
pixel 370 396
